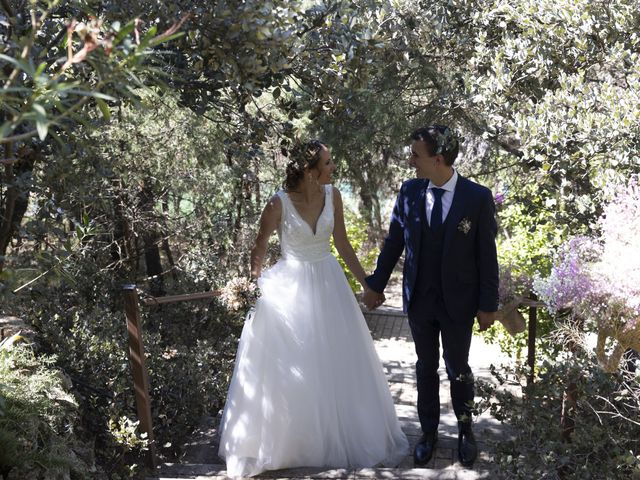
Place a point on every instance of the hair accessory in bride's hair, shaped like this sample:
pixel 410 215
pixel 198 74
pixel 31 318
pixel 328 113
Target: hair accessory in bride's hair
pixel 302 155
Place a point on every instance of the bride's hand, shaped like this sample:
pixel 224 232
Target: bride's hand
pixel 372 299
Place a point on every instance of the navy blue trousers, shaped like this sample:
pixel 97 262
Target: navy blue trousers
pixel 429 321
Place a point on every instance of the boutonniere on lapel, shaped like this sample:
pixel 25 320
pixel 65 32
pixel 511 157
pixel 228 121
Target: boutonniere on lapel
pixel 464 226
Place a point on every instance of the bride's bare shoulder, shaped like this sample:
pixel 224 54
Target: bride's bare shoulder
pixel 273 208
pixel 275 200
pixel 337 196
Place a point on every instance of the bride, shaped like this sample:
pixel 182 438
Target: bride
pixel 308 388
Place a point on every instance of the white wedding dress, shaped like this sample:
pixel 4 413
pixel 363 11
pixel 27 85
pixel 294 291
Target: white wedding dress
pixel 308 388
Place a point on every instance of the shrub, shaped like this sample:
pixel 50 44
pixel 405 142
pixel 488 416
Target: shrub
pixel 39 419
pixel 358 236
pixel 605 441
pixel 190 349
pixel 598 277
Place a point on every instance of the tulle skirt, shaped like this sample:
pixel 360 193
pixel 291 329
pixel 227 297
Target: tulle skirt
pixel 308 388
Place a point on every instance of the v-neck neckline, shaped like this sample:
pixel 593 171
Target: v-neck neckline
pixel 314 231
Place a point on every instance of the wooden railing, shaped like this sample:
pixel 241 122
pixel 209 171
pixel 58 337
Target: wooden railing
pixel 514 322
pixel 531 340
pixel 137 356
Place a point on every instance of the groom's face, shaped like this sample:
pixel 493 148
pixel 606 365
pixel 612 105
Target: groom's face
pixel 421 159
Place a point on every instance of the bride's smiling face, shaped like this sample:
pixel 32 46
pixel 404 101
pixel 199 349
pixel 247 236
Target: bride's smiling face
pixel 325 167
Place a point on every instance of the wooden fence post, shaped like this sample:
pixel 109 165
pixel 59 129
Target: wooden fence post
pixel 531 344
pixel 140 376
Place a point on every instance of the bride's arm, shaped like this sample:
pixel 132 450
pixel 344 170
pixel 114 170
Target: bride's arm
pixel 341 241
pixel 269 221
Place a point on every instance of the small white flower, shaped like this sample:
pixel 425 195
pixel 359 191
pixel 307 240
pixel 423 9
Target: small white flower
pixel 464 226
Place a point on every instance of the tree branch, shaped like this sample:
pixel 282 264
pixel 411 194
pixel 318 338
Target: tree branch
pixel 33 133
pixel 7 8
pixel 480 128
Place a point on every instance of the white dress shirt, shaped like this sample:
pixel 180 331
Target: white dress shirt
pixel 447 197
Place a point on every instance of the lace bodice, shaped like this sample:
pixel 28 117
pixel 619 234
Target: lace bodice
pixel 297 239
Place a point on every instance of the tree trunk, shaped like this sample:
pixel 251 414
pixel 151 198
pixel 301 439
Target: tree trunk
pixel 123 247
pixel 165 241
pixel 571 393
pixel 237 223
pixel 151 240
pixel 569 404
pixel 370 207
pixel 16 199
pixel 8 205
pixel 376 223
pixel 154 264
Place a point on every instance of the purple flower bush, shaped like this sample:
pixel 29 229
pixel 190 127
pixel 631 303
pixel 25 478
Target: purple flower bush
pixel 571 280
pixel 599 278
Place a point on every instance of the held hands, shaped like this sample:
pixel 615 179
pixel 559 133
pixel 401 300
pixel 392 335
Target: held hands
pixel 485 319
pixel 371 299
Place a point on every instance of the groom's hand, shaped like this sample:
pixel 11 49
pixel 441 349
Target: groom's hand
pixel 372 299
pixel 485 319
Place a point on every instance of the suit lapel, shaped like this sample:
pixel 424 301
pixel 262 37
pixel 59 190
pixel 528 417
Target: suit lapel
pixel 455 212
pixel 421 212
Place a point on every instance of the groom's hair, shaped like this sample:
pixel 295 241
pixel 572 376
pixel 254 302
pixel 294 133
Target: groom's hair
pixel 439 139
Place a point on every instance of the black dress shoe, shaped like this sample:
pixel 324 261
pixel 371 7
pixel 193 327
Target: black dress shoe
pixel 425 448
pixel 467 447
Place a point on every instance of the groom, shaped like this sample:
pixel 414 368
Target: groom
pixel 447 226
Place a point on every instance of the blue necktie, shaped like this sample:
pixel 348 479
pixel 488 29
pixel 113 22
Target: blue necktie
pixel 436 210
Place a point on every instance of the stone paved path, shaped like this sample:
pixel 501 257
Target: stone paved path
pixel 390 331
pixel 392 337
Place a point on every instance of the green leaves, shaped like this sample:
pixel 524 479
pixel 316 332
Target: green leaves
pixel 20 64
pixel 104 109
pixel 123 32
pixel 99 59
pixel 42 124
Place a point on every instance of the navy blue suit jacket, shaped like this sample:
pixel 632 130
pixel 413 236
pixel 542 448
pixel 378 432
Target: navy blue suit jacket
pixel 469 260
